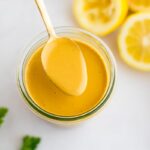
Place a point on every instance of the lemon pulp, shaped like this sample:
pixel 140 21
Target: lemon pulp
pixel 134 41
pixel 139 5
pixel 100 16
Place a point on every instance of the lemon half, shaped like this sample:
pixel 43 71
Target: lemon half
pixel 134 41
pixel 100 17
pixel 139 5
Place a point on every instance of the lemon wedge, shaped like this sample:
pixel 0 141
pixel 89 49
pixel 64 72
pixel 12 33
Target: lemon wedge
pixel 134 41
pixel 100 17
pixel 139 5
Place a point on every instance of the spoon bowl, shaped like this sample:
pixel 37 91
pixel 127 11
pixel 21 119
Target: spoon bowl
pixel 62 59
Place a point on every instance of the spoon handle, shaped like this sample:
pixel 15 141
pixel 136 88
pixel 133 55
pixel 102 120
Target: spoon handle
pixel 46 19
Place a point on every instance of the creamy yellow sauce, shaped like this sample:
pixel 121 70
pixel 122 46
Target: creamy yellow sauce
pixel 53 100
pixel 64 63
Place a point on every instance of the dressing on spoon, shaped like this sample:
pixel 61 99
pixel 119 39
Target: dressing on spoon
pixel 62 59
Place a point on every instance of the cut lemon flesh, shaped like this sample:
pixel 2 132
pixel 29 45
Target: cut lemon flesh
pixel 139 5
pixel 134 41
pixel 100 16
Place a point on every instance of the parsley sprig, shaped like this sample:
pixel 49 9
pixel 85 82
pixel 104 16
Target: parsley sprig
pixel 30 142
pixel 3 112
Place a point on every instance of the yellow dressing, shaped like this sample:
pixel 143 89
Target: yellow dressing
pixel 64 63
pixel 51 99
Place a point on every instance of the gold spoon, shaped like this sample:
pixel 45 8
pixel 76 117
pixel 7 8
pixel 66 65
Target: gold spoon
pixel 62 59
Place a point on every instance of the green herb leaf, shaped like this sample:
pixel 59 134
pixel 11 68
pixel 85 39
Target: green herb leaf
pixel 3 112
pixel 30 142
pixel 1 121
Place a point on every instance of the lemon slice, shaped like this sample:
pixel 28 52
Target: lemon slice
pixel 134 41
pixel 139 5
pixel 100 16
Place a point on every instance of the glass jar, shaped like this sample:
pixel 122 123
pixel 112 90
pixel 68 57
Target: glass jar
pixel 84 36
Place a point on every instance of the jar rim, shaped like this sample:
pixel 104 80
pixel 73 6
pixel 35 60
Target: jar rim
pixel 41 112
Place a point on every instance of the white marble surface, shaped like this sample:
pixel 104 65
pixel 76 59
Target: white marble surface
pixel 123 125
